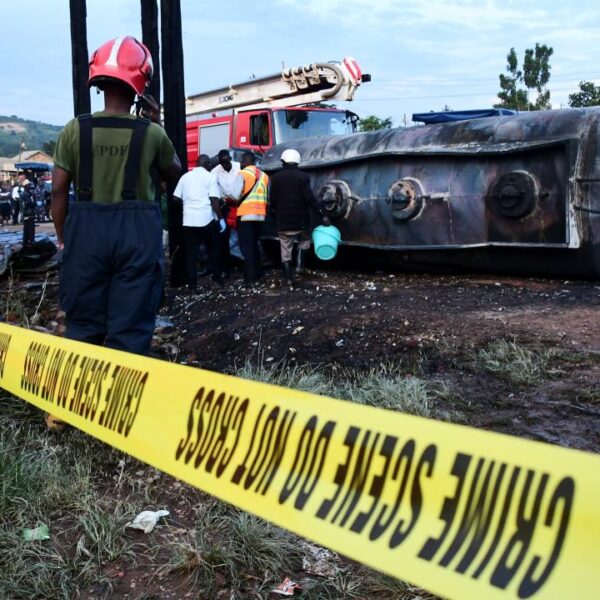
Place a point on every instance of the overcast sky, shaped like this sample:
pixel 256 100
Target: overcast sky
pixel 422 54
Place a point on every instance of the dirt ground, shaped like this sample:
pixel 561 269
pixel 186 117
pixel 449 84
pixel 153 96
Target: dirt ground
pixel 435 323
pixel 439 328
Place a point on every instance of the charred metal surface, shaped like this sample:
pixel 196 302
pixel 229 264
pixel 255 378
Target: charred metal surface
pixel 529 181
pixel 406 198
pixel 335 199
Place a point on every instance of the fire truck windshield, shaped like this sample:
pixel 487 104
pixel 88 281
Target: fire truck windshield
pixel 293 124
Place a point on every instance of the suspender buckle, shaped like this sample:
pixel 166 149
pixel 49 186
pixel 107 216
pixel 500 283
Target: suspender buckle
pixel 128 195
pixel 83 194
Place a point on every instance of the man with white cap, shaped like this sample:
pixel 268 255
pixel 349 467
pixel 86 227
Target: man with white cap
pixel 293 203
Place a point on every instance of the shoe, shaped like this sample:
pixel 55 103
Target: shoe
pixel 300 261
pixel 287 272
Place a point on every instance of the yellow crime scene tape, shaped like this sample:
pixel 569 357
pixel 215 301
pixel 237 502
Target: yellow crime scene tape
pixel 461 512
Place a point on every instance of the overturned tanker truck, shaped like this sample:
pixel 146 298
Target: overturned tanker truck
pixel 514 194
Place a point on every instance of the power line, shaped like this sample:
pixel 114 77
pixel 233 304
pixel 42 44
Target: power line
pixel 457 81
pixel 442 96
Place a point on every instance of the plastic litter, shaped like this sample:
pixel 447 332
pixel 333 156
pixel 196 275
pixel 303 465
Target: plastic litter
pixel 54 423
pixel 147 520
pixel 287 587
pixel 163 322
pixel 39 533
pixel 319 561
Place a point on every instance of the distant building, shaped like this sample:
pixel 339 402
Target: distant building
pixel 8 171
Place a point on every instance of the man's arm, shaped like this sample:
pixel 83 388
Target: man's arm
pixel 61 180
pixel 214 202
pixel 311 201
pixel 172 172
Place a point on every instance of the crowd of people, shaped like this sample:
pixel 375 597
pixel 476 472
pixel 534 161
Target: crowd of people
pixel 29 196
pixel 225 206
pixel 111 263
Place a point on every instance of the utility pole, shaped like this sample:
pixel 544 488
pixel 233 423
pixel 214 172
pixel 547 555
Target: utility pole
pixel 174 122
pixel 174 98
pixel 150 39
pixel 80 59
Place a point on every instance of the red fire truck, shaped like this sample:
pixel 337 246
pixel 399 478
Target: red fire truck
pixel 260 113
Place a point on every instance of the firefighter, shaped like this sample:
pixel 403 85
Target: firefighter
pixel 295 207
pixel 251 190
pixel 111 274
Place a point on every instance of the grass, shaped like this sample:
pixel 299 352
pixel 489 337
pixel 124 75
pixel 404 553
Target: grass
pixel 44 479
pixel 512 362
pixel 14 303
pixel 86 492
pixel 385 386
pixel 589 396
pixel 233 549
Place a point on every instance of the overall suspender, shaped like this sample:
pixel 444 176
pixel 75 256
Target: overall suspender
pixel 138 126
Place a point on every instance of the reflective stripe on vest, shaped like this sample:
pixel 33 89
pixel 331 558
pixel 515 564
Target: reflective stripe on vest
pixel 255 202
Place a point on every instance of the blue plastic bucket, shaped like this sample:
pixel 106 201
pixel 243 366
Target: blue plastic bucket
pixel 326 240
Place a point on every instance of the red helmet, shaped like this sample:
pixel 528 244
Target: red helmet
pixel 125 59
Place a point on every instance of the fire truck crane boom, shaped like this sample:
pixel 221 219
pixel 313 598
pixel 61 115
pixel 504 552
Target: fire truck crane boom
pixel 311 83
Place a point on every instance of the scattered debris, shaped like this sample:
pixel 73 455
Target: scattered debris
pixel 319 561
pixel 34 258
pixel 287 587
pixel 147 520
pixel 163 322
pixel 37 534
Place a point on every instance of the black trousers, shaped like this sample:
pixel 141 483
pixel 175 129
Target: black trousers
pixel 111 276
pixel 249 235
pixel 209 235
pixel 16 209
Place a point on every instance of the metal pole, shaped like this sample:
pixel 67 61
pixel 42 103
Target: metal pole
pixel 150 39
pixel 174 122
pixel 80 60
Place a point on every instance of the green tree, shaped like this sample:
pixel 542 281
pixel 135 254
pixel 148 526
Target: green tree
pixel 535 76
pixel 49 147
pixel 511 96
pixel 588 95
pixel 373 123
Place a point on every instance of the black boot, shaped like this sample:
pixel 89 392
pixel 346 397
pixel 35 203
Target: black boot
pixel 300 261
pixel 287 272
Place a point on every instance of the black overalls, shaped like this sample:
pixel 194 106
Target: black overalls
pixel 111 275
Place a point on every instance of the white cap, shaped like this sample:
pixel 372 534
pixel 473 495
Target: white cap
pixel 290 156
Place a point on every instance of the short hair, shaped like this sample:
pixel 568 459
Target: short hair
pixel 203 160
pixel 249 157
pixel 224 154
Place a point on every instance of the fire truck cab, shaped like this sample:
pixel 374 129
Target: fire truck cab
pixel 260 113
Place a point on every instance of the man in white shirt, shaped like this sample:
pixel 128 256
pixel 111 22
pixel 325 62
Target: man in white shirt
pixel 202 219
pixel 226 172
pixel 16 201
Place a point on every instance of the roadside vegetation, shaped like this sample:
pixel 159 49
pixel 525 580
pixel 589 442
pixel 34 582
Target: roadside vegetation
pixel 86 492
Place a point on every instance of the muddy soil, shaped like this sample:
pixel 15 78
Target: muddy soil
pixel 433 324
pixel 429 326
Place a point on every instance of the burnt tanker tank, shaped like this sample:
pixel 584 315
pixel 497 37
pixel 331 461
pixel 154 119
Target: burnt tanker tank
pixel 514 194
